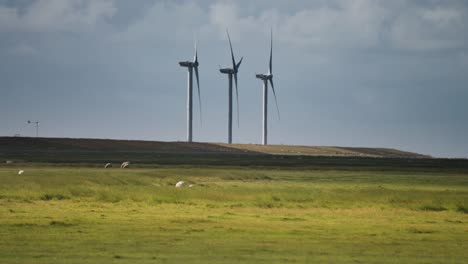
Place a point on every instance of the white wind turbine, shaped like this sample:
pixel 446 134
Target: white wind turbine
pixel 268 78
pixel 232 72
pixel 191 65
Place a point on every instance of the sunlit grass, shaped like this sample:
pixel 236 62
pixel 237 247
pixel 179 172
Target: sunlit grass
pixel 232 215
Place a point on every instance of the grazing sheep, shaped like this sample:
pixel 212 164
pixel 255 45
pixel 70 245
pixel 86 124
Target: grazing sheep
pixel 190 186
pixel 125 165
pixel 9 162
pixel 20 172
pixel 108 165
pixel 180 184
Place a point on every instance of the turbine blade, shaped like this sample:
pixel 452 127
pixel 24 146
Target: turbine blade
pixel 232 53
pixel 237 97
pixel 199 94
pixel 239 63
pixel 195 59
pixel 270 70
pixel 235 79
pixel 276 101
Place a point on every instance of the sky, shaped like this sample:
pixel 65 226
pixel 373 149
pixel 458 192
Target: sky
pixel 357 73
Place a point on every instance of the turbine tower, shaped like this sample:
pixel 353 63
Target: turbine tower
pixel 232 72
pixel 268 78
pixel 191 65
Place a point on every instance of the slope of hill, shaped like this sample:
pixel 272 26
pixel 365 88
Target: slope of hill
pixel 86 144
pixel 327 151
pixel 25 144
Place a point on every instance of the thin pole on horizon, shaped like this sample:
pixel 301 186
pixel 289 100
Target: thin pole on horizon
pixel 37 126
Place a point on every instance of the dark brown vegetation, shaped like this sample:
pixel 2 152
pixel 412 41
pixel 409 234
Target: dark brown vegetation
pixel 154 153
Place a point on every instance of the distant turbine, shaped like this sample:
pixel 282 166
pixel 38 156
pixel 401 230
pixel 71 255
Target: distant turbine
pixel 191 65
pixel 265 78
pixel 230 72
pixel 37 126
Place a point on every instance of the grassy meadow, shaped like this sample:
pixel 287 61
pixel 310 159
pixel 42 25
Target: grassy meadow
pixel 80 214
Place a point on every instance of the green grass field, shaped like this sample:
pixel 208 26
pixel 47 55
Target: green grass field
pixel 232 215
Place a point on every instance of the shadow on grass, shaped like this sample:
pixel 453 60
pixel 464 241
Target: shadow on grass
pixel 54 196
pixel 434 208
pixel 462 209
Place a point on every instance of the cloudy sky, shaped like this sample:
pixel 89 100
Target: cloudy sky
pixel 347 73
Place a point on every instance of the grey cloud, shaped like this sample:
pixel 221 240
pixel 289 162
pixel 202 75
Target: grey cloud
pixel 356 73
pixel 358 24
pixel 439 27
pixel 23 49
pixel 55 15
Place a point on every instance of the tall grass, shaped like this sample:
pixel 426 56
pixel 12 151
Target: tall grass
pixel 263 188
pixel 232 215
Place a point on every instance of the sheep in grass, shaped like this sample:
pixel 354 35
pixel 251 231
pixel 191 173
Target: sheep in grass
pixel 20 172
pixel 125 165
pixel 180 184
pixel 108 165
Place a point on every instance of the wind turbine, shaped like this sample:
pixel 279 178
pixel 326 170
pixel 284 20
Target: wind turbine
pixel 191 65
pixel 230 72
pixel 268 78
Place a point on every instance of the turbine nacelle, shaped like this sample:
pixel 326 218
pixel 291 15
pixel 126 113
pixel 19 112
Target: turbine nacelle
pixel 188 64
pixel 233 70
pixel 227 71
pixel 191 64
pixel 264 77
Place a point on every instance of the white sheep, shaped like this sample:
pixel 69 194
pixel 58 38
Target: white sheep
pixel 20 172
pixel 108 165
pixel 124 165
pixel 180 184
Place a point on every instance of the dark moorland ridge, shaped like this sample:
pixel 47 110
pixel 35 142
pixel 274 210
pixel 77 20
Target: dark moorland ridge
pixel 69 151
pixel 24 144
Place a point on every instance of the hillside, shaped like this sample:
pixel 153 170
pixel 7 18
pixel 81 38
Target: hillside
pixel 62 145
pixel 326 151
pixel 106 145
